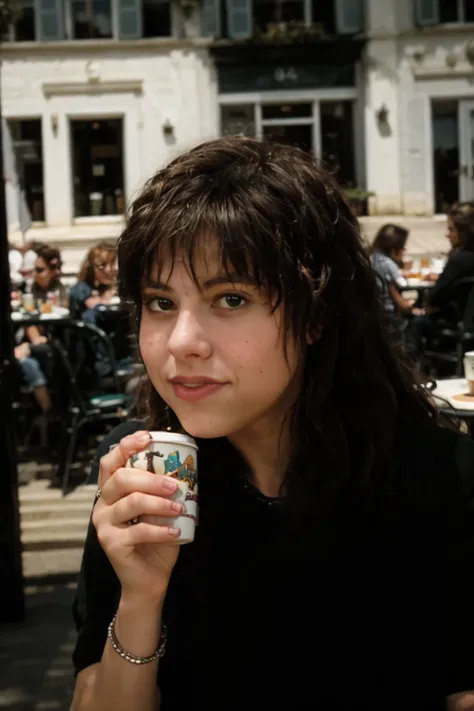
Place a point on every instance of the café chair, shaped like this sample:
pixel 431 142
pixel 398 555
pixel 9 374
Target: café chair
pixel 453 335
pixel 84 405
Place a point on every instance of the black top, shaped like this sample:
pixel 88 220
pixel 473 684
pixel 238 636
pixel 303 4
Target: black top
pixel 376 615
pixel 459 266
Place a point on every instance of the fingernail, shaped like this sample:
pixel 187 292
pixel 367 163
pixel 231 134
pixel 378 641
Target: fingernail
pixel 143 439
pixel 174 531
pixel 179 508
pixel 170 485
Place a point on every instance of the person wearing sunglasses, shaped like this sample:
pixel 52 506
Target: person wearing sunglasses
pixel 95 284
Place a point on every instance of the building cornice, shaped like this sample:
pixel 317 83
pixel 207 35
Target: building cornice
pixel 70 48
pixel 92 87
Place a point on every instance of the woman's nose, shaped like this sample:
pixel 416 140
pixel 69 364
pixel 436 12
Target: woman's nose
pixel 188 338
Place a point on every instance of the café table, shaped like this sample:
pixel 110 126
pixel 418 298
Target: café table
pixel 451 396
pixel 24 318
pixel 422 288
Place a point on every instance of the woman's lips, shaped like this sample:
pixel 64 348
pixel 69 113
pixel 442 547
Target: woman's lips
pixel 195 391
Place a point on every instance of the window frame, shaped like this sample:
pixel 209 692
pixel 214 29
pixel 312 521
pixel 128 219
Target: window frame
pixel 68 24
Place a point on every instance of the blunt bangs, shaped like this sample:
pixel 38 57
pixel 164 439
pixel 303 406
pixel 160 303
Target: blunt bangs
pixel 234 212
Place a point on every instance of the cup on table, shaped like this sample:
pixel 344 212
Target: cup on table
pixel 469 370
pixel 174 455
pixel 29 303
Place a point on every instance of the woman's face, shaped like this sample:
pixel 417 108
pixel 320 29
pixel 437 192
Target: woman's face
pixel 105 269
pixel 453 234
pixel 215 352
pixel 43 273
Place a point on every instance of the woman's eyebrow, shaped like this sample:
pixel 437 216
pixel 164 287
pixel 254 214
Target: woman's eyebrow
pixel 231 278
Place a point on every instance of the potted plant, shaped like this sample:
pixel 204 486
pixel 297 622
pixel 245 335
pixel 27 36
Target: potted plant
pixel 358 200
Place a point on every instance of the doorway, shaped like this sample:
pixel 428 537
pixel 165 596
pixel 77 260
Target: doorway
pixel 289 123
pixel 300 136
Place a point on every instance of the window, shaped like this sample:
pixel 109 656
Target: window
pixel 91 19
pixel 24 26
pixel 238 120
pixel 268 12
pixel 435 12
pixel 54 20
pixel 97 159
pixel 323 15
pixel 156 18
pixel 239 18
pixel 27 146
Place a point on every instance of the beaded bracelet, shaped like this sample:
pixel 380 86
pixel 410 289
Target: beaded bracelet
pixel 132 658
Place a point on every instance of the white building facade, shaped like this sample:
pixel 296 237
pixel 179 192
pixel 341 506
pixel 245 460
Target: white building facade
pixel 97 95
pixel 419 108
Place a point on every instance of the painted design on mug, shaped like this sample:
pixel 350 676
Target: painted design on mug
pixel 148 457
pixel 183 472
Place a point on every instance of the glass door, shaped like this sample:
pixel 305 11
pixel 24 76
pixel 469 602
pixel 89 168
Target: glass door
pixel 466 180
pixel 289 123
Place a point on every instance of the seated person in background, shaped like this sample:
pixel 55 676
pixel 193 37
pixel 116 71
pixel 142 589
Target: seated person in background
pixel 445 300
pixel 45 281
pixel 33 376
pixel 386 257
pixel 46 275
pixel 96 282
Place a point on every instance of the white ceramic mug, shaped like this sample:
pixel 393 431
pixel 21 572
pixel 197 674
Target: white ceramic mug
pixel 174 455
pixel 469 370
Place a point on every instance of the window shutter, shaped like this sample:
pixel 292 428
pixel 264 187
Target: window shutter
pixel 210 18
pixel 130 19
pixel 427 12
pixel 349 16
pixel 50 20
pixel 239 18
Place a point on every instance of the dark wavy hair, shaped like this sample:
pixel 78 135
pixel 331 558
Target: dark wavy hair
pixel 390 237
pixel 51 256
pixel 281 220
pixel 462 215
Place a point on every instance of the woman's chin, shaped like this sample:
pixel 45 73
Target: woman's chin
pixel 204 430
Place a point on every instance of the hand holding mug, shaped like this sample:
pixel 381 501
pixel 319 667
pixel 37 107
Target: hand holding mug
pixel 140 554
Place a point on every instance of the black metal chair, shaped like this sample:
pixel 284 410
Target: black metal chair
pixel 85 401
pixel 452 335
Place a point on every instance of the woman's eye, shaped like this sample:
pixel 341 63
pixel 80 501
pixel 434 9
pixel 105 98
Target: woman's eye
pixel 231 301
pixel 160 305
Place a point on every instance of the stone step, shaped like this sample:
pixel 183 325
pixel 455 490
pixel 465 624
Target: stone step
pixel 55 511
pixel 53 540
pixel 42 495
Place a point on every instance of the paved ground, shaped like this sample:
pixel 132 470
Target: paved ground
pixel 35 656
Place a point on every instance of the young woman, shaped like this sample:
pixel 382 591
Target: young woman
pixel 46 274
pixel 96 282
pixel 332 562
pixel 387 253
pixel 448 297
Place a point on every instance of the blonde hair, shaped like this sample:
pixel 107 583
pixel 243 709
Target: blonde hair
pixel 103 250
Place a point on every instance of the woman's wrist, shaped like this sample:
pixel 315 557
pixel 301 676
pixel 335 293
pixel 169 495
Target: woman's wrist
pixel 138 625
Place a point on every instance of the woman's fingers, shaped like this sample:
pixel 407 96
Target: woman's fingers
pixel 138 504
pixel 118 456
pixel 127 481
pixel 113 539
